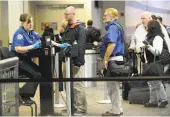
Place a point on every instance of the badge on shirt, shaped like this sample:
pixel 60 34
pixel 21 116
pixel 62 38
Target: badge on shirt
pixel 19 36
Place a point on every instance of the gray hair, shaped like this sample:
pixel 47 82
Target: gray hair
pixel 147 14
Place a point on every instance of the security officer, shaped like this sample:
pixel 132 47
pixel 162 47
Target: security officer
pixel 26 39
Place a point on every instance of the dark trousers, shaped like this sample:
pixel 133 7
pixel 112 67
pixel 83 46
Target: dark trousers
pixel 31 70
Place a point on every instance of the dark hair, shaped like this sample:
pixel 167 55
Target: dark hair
pixel 25 17
pixel 159 18
pixel 90 22
pixel 154 29
pixel 154 17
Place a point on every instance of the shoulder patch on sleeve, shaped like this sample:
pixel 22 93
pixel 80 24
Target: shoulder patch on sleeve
pixel 19 36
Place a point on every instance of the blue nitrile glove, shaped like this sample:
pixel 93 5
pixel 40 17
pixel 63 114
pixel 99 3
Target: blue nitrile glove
pixel 37 45
pixel 64 45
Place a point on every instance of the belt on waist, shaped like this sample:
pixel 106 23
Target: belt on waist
pixel 116 55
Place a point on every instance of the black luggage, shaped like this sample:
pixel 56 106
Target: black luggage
pixel 125 90
pixel 139 93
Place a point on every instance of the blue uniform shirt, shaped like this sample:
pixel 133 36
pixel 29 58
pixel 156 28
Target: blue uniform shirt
pixel 112 35
pixel 23 38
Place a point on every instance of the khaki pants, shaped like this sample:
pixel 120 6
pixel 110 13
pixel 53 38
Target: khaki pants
pixel 80 103
pixel 139 64
pixel 113 88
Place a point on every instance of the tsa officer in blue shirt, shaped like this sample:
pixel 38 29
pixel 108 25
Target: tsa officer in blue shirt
pixel 25 39
pixel 112 48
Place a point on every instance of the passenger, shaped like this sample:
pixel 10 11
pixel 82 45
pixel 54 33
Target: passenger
pixel 76 31
pixel 154 17
pixel 47 30
pixel 155 39
pixel 24 40
pixel 93 33
pixel 160 20
pixel 140 34
pixel 112 47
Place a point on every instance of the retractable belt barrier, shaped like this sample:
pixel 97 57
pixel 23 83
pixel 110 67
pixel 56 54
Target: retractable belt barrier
pixel 9 92
pixel 146 78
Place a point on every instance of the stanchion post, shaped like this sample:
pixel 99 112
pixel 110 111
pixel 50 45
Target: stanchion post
pixel 57 96
pixel 68 86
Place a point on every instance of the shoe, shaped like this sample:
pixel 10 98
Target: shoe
pixel 121 113
pixel 79 113
pixel 163 104
pixel 150 105
pixel 111 114
pixel 25 100
pixel 64 111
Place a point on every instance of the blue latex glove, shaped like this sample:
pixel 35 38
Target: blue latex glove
pixel 64 45
pixel 37 45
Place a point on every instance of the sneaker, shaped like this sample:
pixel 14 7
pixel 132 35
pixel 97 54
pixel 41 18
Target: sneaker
pixel 121 113
pixel 163 104
pixel 110 114
pixel 150 105
pixel 79 113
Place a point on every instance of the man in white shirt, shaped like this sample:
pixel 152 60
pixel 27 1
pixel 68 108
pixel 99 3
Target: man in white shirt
pixel 140 32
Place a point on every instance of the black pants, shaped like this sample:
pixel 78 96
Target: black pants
pixel 30 69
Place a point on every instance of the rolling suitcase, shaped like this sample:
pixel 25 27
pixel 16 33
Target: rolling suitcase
pixel 138 95
pixel 139 92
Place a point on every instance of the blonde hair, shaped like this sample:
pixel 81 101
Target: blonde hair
pixel 113 12
pixel 45 24
pixel 25 17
